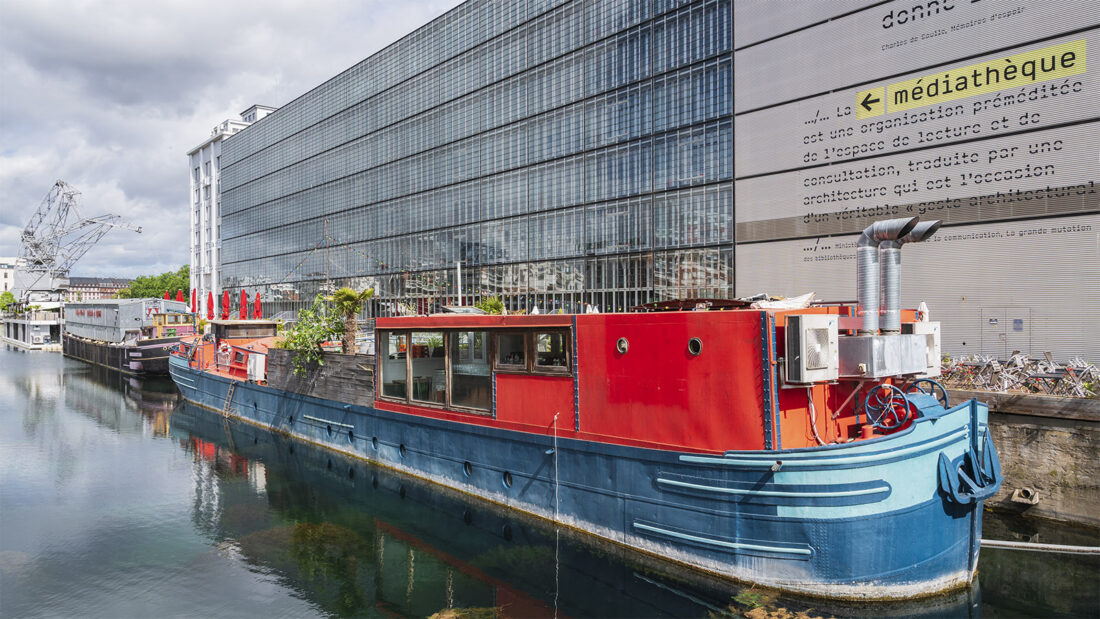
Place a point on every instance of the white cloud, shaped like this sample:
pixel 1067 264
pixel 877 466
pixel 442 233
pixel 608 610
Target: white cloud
pixel 110 96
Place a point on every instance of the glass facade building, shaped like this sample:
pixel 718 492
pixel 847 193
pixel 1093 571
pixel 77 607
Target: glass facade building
pixel 563 152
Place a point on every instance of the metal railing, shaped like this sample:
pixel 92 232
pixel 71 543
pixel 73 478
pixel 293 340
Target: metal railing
pixel 1022 374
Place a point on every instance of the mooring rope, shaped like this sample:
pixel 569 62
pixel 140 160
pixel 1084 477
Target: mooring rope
pixel 1036 547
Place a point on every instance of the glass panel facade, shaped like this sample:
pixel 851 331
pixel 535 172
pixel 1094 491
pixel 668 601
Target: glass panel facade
pixel 564 152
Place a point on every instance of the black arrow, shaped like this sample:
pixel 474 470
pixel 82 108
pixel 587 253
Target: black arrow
pixel 867 101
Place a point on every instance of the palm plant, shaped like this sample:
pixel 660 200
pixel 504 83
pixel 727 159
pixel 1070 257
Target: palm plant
pixel 348 302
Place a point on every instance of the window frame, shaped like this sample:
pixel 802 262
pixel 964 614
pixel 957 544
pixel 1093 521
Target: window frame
pixel 530 367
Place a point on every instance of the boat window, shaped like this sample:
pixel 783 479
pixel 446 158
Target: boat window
pixel 394 375
pixel 470 377
pixel 511 350
pixel 429 366
pixel 551 350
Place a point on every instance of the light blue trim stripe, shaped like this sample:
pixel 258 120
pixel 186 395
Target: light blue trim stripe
pixel 804 552
pixel 777 493
pixel 319 420
pixel 826 462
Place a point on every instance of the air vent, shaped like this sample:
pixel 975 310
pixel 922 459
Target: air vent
pixel 811 348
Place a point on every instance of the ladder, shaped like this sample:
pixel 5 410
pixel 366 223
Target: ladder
pixel 225 414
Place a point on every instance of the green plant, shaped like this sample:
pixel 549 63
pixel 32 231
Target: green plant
pixel 348 303
pixel 6 299
pixel 316 324
pixel 491 305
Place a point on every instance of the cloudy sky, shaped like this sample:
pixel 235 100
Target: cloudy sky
pixel 110 95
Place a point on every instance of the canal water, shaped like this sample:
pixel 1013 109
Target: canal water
pixel 119 500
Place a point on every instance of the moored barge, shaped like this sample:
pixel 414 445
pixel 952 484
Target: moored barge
pixel 133 336
pixel 808 450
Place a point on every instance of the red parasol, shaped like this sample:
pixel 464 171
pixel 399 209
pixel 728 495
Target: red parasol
pixel 192 300
pixel 257 313
pixel 179 294
pixel 244 305
pixel 225 305
pixel 166 297
pixel 210 305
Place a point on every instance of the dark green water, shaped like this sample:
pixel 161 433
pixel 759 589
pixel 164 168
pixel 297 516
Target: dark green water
pixel 116 500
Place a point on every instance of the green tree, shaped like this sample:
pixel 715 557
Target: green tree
pixel 316 324
pixel 6 299
pixel 348 303
pixel 155 285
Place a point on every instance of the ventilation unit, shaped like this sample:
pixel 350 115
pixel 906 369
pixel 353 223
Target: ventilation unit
pixel 812 354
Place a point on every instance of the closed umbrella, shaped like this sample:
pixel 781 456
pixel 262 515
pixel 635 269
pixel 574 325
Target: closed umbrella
pixel 193 300
pixel 210 305
pixel 257 313
pixel 225 305
pixel 179 295
pixel 244 305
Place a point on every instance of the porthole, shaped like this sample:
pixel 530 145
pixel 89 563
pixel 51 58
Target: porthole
pixel 622 345
pixel 329 430
pixel 467 469
pixel 291 448
pixel 506 532
pixel 695 346
pixel 329 465
pixel 467 517
pixel 401 491
pixel 291 420
pixel 374 481
pixel 374 442
pixel 351 472
pixel 401 449
pixel 351 436
pixel 506 479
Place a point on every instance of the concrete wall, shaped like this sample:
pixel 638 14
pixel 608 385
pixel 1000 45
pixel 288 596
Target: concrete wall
pixel 1048 445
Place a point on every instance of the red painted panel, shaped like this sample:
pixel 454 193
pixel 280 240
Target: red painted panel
pixel 534 400
pixel 473 321
pixel 659 392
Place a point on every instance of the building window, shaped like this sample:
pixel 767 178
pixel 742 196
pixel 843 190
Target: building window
pixel 511 350
pixel 471 377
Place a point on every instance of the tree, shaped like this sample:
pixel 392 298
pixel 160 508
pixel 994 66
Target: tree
pixel 155 285
pixel 348 303
pixel 315 325
pixel 6 299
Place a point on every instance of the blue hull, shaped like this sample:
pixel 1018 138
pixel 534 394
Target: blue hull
pixel 868 520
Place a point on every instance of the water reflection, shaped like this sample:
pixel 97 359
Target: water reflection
pixel 117 501
pixel 351 537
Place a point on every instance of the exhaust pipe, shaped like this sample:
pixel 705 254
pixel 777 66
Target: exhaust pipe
pixel 890 262
pixel 867 267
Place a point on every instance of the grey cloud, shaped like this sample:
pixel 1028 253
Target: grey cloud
pixel 110 96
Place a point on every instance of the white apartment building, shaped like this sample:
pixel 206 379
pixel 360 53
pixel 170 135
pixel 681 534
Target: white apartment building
pixel 7 273
pixel 205 166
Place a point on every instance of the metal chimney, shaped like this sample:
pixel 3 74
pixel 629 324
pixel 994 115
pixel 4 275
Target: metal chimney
pixel 867 267
pixel 890 262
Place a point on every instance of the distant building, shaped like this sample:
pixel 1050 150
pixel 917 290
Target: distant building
pixel 7 273
pixel 205 169
pixel 93 288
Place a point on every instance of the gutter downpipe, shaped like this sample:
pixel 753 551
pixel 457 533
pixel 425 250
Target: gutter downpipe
pixel 867 268
pixel 890 262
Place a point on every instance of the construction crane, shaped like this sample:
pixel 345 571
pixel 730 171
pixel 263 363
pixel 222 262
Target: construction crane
pixel 55 238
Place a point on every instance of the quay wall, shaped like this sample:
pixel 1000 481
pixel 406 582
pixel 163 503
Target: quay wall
pixel 1049 453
